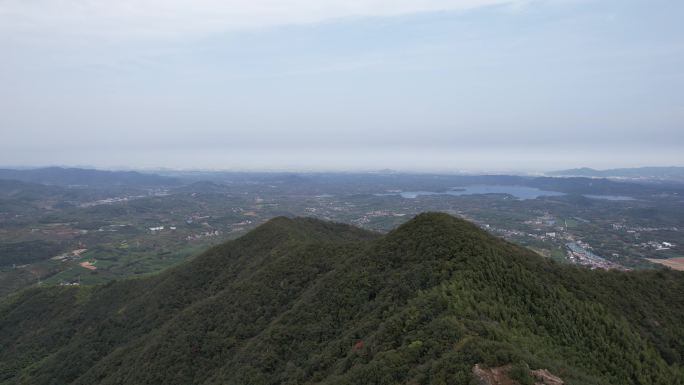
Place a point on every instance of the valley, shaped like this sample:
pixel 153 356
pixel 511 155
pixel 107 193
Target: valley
pixel 87 235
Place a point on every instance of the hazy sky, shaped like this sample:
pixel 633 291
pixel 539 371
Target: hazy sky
pixel 342 84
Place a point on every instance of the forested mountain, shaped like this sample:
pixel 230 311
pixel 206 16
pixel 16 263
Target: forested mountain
pixel 300 301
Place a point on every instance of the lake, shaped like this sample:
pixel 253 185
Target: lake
pixel 611 197
pixel 519 192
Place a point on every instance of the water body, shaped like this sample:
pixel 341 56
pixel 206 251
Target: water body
pixel 611 197
pixel 519 192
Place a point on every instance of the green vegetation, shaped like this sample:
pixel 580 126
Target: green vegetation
pixel 113 219
pixel 20 253
pixel 303 301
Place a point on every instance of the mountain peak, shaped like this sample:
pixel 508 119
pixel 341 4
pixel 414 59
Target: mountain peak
pixel 436 221
pixel 304 301
pixel 437 235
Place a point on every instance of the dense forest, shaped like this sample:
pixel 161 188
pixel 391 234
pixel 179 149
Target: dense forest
pixel 301 301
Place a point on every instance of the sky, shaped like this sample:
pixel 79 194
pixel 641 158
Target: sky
pixel 434 85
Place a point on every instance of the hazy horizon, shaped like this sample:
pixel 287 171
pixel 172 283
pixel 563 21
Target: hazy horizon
pixel 305 169
pixel 420 86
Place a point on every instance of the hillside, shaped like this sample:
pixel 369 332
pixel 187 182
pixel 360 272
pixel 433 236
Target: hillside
pixel 301 301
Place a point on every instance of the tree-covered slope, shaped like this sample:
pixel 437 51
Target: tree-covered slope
pixel 300 301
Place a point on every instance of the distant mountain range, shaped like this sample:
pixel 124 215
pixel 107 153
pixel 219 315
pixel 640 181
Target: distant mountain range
pixel 665 173
pixel 302 301
pixel 87 177
pixel 578 181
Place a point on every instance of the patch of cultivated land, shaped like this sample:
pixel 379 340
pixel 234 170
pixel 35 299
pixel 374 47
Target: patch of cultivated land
pixel 673 263
pixel 88 265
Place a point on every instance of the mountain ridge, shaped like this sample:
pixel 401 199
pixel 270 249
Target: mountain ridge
pixel 665 173
pixel 312 302
pixel 61 176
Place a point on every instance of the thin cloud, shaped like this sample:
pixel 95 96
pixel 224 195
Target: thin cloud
pixel 124 19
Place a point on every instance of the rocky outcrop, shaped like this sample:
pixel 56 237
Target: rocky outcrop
pixel 501 376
